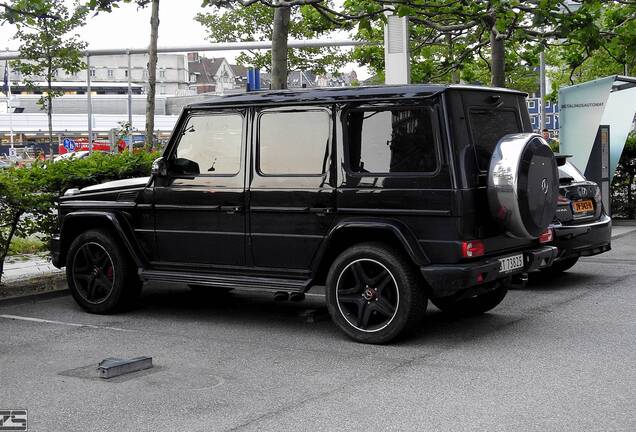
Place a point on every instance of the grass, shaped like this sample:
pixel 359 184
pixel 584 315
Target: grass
pixel 29 245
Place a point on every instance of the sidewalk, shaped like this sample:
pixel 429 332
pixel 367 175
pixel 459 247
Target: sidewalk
pixel 20 267
pixel 30 274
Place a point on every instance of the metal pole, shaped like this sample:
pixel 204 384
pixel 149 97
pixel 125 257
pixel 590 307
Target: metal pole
pixel 10 106
pixel 130 138
pixel 542 89
pixel 225 46
pixel 90 104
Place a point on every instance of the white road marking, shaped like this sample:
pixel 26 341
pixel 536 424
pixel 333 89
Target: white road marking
pixel 45 321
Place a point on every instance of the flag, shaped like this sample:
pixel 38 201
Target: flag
pixel 5 81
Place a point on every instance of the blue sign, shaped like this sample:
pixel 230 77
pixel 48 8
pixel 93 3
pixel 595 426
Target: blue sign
pixel 69 144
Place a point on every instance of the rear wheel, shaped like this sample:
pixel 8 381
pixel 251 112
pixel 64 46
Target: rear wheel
pixel 374 294
pixel 471 306
pixel 559 267
pixel 100 274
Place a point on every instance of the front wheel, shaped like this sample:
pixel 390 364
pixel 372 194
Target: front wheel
pixel 100 274
pixel 374 294
pixel 471 306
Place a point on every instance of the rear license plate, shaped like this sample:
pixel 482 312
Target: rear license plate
pixel 583 206
pixel 510 263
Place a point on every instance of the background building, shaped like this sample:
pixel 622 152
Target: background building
pixel 215 75
pixel 109 75
pixel 551 115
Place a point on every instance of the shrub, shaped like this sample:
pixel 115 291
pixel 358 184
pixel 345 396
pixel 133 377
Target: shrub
pixel 28 195
pixel 622 194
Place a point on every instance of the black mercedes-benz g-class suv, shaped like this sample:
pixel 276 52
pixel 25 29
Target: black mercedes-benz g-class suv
pixel 388 196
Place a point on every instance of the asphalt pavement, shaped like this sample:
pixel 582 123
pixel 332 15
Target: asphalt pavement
pixel 555 356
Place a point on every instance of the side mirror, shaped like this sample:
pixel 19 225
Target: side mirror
pixel 159 167
pixel 182 167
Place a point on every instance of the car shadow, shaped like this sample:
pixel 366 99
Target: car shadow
pixel 249 309
pixel 564 281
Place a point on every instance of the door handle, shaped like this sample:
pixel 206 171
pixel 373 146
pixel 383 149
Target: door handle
pixel 230 209
pixel 320 211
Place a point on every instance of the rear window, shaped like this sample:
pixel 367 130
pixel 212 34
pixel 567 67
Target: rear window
pixel 391 140
pixel 569 171
pixel 488 127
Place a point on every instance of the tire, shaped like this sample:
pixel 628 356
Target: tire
pixel 523 185
pixel 100 273
pixel 559 267
pixel 374 293
pixel 474 305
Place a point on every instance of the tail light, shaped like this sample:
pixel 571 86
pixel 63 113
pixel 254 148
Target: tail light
pixel 473 248
pixel 546 236
pixel 563 200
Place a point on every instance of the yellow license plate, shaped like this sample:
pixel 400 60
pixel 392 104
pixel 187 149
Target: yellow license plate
pixel 583 206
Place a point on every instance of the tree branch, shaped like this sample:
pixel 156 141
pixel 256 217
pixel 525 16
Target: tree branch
pixel 11 9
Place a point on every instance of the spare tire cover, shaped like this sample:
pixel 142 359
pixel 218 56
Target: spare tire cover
pixel 523 184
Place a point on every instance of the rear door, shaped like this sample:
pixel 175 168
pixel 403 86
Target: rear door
pixel 394 167
pixel 291 194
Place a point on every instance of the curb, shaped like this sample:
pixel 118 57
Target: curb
pixel 33 286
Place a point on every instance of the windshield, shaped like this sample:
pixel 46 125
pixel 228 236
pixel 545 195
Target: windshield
pixel 568 171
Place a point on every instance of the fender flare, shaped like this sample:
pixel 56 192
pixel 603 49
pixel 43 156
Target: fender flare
pixel 402 233
pixel 120 227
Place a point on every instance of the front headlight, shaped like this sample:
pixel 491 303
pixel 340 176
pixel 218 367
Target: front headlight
pixel 71 192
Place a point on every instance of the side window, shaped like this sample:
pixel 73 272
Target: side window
pixel 294 142
pixel 391 141
pixel 213 143
pixel 488 127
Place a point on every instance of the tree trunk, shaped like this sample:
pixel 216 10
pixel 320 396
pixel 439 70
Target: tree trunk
pixel 497 61
pixel 5 251
pixel 455 76
pixel 279 47
pixel 152 74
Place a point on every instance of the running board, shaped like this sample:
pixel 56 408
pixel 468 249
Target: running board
pixel 227 281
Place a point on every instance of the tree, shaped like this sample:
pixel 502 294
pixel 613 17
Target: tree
pixel 257 22
pixel 47 46
pixel 316 17
pixel 152 74
pixel 108 6
pixel 607 48
pixel 23 8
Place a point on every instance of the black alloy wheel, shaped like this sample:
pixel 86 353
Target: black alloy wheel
pixel 374 293
pixel 367 295
pixel 100 272
pixel 93 272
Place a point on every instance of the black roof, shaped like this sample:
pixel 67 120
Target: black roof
pixel 336 94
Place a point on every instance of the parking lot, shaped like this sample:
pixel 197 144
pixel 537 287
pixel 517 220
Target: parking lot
pixel 554 356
